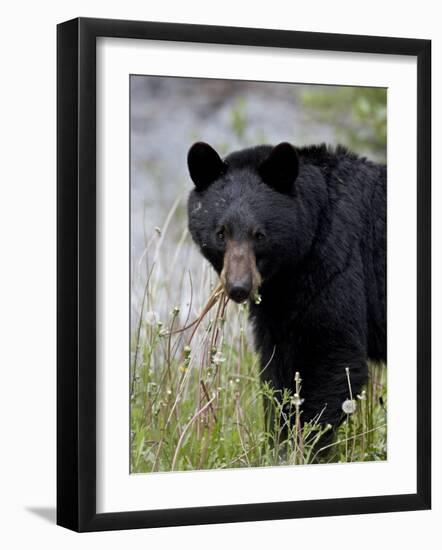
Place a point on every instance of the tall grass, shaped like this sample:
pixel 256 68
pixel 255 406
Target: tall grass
pixel 196 397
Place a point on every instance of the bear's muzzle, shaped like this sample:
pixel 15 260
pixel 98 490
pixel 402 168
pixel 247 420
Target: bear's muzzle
pixel 240 276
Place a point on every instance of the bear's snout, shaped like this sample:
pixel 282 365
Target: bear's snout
pixel 240 276
pixel 239 292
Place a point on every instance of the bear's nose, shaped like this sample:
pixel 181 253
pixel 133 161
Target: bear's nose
pixel 239 291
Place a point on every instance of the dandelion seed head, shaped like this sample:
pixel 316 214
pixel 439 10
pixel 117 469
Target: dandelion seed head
pixel 349 406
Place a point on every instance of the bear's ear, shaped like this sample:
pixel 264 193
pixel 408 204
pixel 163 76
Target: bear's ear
pixel 205 165
pixel 280 169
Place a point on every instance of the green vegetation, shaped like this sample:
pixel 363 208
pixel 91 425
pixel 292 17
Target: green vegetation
pixel 359 115
pixel 197 400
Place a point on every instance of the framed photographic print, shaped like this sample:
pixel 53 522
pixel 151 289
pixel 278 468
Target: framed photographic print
pixel 243 248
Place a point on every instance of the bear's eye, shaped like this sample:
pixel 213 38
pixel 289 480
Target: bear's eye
pixel 220 234
pixel 259 236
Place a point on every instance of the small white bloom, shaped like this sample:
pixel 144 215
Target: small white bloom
pixel 296 400
pixel 151 318
pixel 362 395
pixel 218 358
pixel 349 406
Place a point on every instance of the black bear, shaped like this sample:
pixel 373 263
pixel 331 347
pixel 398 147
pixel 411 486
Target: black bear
pixel 306 229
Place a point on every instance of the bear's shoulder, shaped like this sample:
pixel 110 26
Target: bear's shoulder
pixel 324 154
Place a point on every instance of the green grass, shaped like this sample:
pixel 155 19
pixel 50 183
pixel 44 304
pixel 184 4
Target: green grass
pixel 196 397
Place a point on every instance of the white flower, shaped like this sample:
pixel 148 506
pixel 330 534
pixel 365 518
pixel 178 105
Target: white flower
pixel 349 406
pixel 296 400
pixel 218 358
pixel 362 396
pixel 151 318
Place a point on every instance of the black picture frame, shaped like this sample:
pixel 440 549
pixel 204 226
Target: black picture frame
pixel 76 273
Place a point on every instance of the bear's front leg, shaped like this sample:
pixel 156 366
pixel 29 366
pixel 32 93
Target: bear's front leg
pixel 327 388
pixel 328 382
pixel 324 387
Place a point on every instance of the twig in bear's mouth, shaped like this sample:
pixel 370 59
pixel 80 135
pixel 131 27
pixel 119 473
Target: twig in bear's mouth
pixel 217 295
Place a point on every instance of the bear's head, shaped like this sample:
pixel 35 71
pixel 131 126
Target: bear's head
pixel 244 213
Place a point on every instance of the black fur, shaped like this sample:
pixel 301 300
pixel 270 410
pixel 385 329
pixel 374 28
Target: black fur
pixel 322 261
